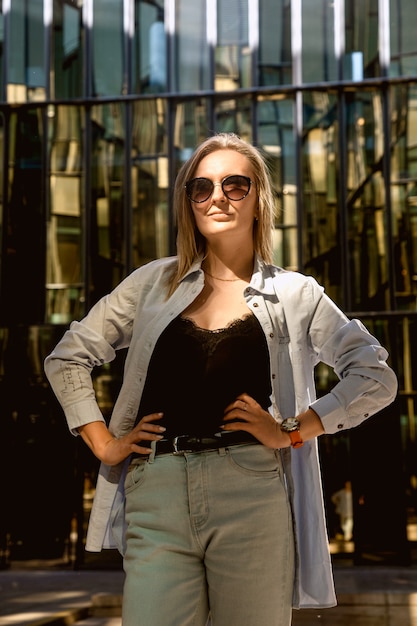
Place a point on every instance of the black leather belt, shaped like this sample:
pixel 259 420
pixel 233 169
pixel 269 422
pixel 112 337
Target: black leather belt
pixel 186 443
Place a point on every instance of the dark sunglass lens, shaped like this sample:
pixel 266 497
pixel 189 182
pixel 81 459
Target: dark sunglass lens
pixel 199 189
pixel 236 187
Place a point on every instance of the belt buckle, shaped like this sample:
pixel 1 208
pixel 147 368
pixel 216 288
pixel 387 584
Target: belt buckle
pixel 175 441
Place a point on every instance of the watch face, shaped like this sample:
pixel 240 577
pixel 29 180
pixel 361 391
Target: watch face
pixel 290 424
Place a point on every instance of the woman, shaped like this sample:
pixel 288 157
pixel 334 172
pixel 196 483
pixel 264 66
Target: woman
pixel 209 482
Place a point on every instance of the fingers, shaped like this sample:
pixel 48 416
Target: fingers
pixel 145 431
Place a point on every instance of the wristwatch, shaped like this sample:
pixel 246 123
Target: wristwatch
pixel 291 426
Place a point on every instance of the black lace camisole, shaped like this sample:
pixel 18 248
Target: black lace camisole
pixel 195 373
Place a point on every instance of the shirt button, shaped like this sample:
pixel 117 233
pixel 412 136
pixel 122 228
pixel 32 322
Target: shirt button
pixel 366 415
pixel 271 335
pixel 273 376
pixel 340 426
pixel 255 304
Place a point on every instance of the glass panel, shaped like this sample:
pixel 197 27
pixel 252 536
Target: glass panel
pixel 191 127
pixel 150 182
pixel 403 38
pixel 276 139
pixel 24 220
pixel 107 34
pixel 192 71
pixel 362 31
pixel 65 261
pixel 404 192
pixel 321 236
pixel 275 66
pixel 150 54
pixel 233 61
pixel 234 116
pixel 1 49
pixel 318 56
pixel 107 243
pixel 367 235
pixel 26 71
pixel 67 50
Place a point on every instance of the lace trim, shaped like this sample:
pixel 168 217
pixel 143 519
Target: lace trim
pixel 230 326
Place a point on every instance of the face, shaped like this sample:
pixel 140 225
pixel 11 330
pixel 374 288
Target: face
pixel 225 210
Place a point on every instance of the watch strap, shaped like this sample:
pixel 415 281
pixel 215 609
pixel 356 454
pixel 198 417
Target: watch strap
pixel 296 441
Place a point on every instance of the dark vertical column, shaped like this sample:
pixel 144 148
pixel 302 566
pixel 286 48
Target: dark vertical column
pixel 380 523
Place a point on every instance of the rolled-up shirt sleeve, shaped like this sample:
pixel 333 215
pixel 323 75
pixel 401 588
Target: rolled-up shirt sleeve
pixel 89 343
pixel 366 383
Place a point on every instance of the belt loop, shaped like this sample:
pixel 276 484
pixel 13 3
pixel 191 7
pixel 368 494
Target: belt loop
pixel 151 457
pixel 222 451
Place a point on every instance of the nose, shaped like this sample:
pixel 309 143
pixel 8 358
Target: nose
pixel 218 193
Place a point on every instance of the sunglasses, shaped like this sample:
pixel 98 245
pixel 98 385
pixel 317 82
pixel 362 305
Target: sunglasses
pixel 235 188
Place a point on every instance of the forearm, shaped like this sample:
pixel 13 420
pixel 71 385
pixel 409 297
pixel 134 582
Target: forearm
pixel 97 437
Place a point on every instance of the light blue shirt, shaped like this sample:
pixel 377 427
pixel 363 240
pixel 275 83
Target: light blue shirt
pixel 302 327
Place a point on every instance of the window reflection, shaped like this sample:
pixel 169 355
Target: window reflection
pixel 402 38
pixel 107 34
pixel 318 50
pixel 150 183
pixel 367 234
pixel 276 139
pixel 361 32
pixel 321 236
pixel 67 49
pixel 234 116
pixel 233 60
pixel 64 266
pixel 26 63
pixel 404 193
pixel 275 64
pixel 150 47
pixel 190 127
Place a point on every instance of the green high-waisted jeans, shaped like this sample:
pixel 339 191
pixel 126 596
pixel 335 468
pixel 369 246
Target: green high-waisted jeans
pixel 208 532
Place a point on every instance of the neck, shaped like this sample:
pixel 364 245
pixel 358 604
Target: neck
pixel 238 266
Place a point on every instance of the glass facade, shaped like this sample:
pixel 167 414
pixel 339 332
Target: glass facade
pixel 103 100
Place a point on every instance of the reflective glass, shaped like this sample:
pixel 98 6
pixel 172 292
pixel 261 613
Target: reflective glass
pixel 362 40
pixel 234 116
pixel 108 45
pixel 318 52
pixel 1 50
pixel 107 253
pixel 190 128
pixel 404 193
pixel 150 182
pixel 26 68
pixel 67 50
pixel 65 261
pixel 191 70
pixel 233 60
pixel 150 74
pixel 274 64
pixel 403 38
pixel 322 254
pixel 367 228
pixel 276 140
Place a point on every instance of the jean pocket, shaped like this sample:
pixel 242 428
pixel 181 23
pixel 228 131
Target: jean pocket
pixel 256 460
pixel 135 474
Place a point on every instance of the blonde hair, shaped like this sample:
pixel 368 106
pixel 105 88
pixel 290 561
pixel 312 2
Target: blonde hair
pixel 190 242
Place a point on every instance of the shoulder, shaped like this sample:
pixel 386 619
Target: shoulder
pixel 153 269
pixel 289 283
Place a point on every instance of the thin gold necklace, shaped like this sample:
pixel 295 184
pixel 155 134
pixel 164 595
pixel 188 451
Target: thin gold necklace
pixel 225 280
